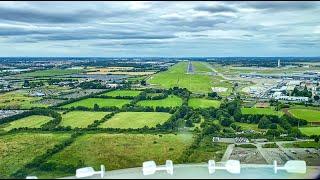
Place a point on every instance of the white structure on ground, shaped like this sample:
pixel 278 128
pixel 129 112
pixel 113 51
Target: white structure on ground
pixel 292 98
pixel 278 63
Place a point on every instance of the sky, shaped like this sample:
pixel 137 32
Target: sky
pixel 150 28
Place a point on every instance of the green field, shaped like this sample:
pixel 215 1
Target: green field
pixel 19 149
pixel 248 126
pixel 130 93
pixel 307 114
pixel 265 111
pixel 89 103
pixel 34 121
pixel 303 144
pixel 270 145
pixel 310 130
pixel 176 76
pixel 136 120
pixel 117 151
pixel 51 72
pixel 19 99
pixel 203 103
pixel 170 101
pixel 81 119
pixel 207 150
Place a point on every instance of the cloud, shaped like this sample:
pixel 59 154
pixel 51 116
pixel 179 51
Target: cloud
pixel 79 36
pixel 216 9
pixel 33 15
pixel 282 5
pixel 234 28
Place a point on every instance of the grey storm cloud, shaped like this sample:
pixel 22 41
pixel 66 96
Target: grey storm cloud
pixel 42 16
pixel 282 5
pixel 84 36
pixel 216 9
pixel 249 27
pixel 12 31
pixel 133 43
pixel 196 23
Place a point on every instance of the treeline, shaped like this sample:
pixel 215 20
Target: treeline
pixel 304 93
pixel 229 113
pixel 91 85
pixel 38 111
pixel 83 97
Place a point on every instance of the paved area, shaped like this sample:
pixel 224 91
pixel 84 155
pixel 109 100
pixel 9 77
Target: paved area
pixel 247 156
pixel 228 152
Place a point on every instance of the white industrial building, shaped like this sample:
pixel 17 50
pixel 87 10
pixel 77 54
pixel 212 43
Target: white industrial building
pixel 292 98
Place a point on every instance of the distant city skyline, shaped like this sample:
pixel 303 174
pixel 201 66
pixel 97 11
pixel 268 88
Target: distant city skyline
pixel 159 29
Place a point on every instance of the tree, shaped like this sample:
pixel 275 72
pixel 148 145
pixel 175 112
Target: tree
pixel 189 123
pixel 95 107
pixel 26 83
pixel 264 123
pixel 213 128
pixel 226 121
pixel 273 126
pixel 316 139
pixel 316 97
pixel 273 132
pixel 143 82
pixel 213 94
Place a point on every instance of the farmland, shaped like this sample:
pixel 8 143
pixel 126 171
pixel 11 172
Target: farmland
pixel 129 93
pixel 307 114
pixel 134 120
pixel 19 99
pixel 265 111
pixel 170 101
pixel 101 102
pixel 81 119
pixel 310 130
pixel 34 121
pixel 203 103
pixel 121 121
pixel 50 73
pixel 18 149
pixel 118 151
pixel 303 144
pixel 248 126
pixel 207 150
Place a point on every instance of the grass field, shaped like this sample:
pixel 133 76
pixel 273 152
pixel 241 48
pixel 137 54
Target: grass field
pixel 117 151
pixel 270 145
pixel 81 119
pixel 170 101
pixel 51 72
pixel 18 99
pixel 266 111
pixel 131 93
pixel 307 114
pixel 207 150
pixel 248 126
pixel 303 144
pixel 310 130
pixel 203 103
pixel 135 120
pixel 176 76
pixel 89 103
pixel 34 121
pixel 19 149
